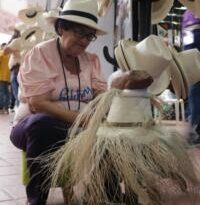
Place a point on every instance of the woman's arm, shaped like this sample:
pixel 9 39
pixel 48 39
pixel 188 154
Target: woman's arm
pixel 42 103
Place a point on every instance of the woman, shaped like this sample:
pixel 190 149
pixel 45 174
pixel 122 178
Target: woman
pixel 57 78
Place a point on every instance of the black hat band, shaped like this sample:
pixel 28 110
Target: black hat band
pixel 80 13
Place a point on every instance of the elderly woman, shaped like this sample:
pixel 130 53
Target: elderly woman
pixel 58 77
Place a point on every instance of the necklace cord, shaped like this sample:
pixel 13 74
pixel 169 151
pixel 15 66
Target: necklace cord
pixel 65 78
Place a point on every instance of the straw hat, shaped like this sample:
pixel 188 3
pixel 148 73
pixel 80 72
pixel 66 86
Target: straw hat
pixel 151 55
pixel 188 65
pixel 103 6
pixel 80 11
pixel 30 14
pixel 30 37
pixel 160 9
pixel 192 5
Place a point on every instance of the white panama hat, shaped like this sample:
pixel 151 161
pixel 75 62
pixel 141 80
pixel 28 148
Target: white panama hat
pixel 30 14
pixel 84 12
pixel 192 5
pixel 160 9
pixel 151 55
pixel 188 65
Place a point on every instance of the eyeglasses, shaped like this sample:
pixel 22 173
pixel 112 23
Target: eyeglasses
pixel 81 34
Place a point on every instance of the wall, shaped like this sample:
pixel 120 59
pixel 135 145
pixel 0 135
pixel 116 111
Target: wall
pixel 106 23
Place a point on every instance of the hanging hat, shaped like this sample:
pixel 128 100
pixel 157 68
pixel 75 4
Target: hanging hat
pixel 80 11
pixel 151 55
pixel 188 64
pixel 192 5
pixel 103 6
pixel 31 37
pixel 160 9
pixel 30 14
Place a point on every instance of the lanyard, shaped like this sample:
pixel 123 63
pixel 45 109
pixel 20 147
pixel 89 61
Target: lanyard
pixel 65 78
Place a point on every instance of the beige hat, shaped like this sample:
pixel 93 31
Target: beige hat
pixel 160 9
pixel 188 64
pixel 151 55
pixel 82 12
pixel 192 5
pixel 30 14
pixel 103 6
pixel 31 37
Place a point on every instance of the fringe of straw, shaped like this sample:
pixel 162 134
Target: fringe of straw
pixel 141 157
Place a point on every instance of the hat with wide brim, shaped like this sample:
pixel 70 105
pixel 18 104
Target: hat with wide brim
pixel 31 36
pixel 160 9
pixel 103 6
pixel 81 12
pixel 193 6
pixel 151 55
pixel 29 15
pixel 188 63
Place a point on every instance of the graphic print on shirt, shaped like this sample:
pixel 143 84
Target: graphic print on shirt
pixel 85 94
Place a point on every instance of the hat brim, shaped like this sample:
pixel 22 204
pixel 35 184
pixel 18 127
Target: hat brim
pixel 160 9
pixel 183 77
pixel 32 18
pixel 77 19
pixel 193 6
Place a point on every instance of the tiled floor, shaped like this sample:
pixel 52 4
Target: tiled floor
pixel 12 192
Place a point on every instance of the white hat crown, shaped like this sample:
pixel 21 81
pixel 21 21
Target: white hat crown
pixel 84 12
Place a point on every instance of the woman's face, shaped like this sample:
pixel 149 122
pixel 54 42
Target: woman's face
pixel 75 41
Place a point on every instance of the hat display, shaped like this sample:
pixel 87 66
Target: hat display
pixel 188 65
pixel 151 55
pixel 160 9
pixel 193 6
pixel 29 15
pixel 82 12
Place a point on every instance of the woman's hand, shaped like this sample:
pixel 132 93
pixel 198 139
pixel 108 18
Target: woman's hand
pixel 132 80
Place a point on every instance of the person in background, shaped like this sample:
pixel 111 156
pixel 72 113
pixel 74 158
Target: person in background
pixel 4 81
pixel 12 48
pixel 191 39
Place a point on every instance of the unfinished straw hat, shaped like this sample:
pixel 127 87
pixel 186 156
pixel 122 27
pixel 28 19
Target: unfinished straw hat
pixel 160 9
pixel 82 12
pixel 30 14
pixel 192 5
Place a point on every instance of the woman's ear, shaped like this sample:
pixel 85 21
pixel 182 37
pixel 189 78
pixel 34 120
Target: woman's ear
pixel 60 31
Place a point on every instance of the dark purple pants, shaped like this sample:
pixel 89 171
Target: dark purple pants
pixel 38 134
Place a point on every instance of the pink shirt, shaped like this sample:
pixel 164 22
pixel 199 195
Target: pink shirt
pixel 41 72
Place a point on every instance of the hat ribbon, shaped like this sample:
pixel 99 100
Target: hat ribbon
pixel 80 13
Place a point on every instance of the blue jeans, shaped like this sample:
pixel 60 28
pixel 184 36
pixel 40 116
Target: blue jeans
pixel 4 95
pixel 194 103
pixel 15 84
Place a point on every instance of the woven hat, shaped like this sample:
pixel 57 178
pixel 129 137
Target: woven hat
pixel 188 65
pixel 30 37
pixel 82 12
pixel 151 55
pixel 29 15
pixel 192 5
pixel 103 6
pixel 160 9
